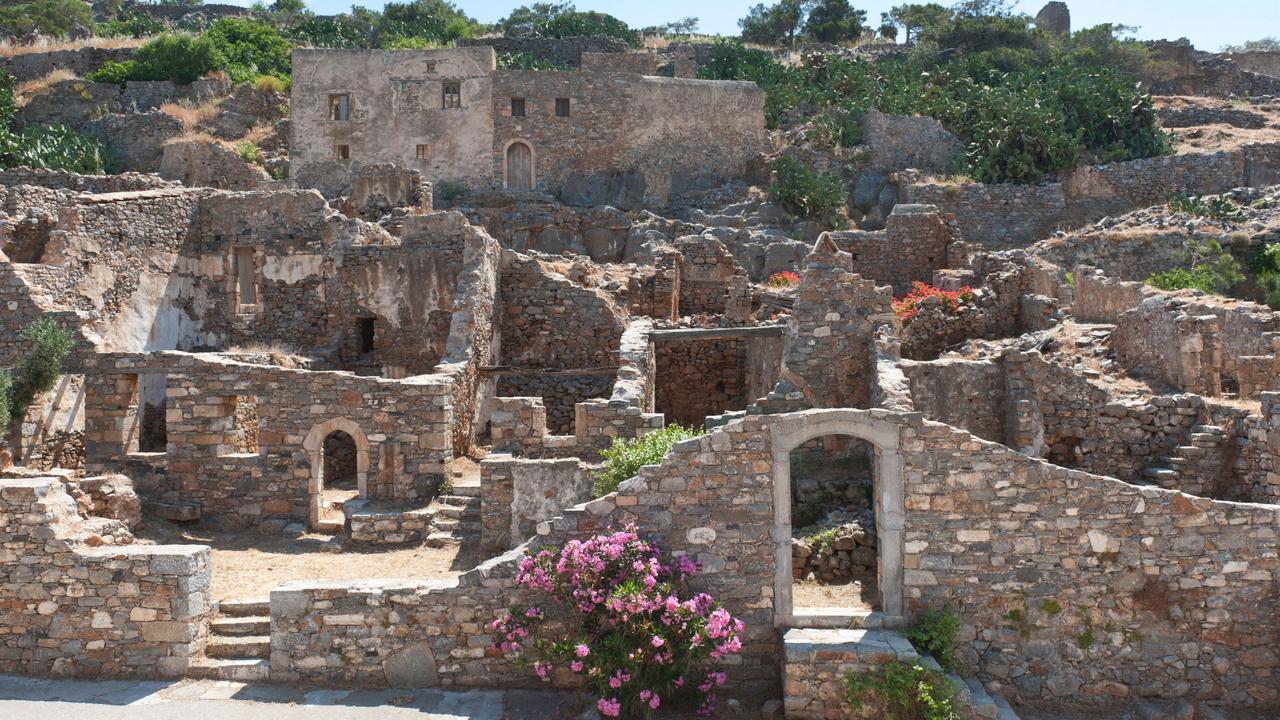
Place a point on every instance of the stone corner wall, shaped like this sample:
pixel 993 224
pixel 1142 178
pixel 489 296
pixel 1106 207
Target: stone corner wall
pixel 75 606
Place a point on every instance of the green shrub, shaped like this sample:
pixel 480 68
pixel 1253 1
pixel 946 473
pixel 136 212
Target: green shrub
pixel 135 24
pixel 270 83
pixel 249 48
pixel 903 692
pixel 934 632
pixel 804 192
pixel 624 458
pixel 50 345
pixel 115 73
pixel 575 23
pixel 176 57
pixel 1207 267
pixel 54 18
pixel 6 413
pixel 248 151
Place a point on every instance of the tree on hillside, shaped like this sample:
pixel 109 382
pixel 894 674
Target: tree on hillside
pixel 914 19
pixel 777 24
pixel 683 26
pixel 433 20
pixel 54 18
pixel 834 21
pixel 528 19
pixel 887 30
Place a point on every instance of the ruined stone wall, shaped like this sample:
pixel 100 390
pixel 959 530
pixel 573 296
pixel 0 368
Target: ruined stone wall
pixel 550 327
pixel 998 307
pixel 896 142
pixel 74 604
pixel 404 430
pixel 1018 214
pixel 66 180
pixel 1055 413
pixel 1257 462
pixel 914 244
pixel 969 394
pixel 77 103
pixel 636 63
pixel 136 141
pixel 208 164
pixel 1138 574
pixel 1263 62
pixel 1166 340
pixel 711 281
pixel 517 494
pixel 697 378
pixel 81 61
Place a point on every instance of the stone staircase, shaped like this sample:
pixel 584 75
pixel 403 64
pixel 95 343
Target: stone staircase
pixel 1194 468
pixel 239 642
pixel 456 517
pixel 818 658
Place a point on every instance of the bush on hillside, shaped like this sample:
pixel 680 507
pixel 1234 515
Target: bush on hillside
pixel 624 458
pixel 44 146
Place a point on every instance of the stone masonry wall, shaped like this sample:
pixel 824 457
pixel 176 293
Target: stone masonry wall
pixel 1162 339
pixel 914 243
pixel 72 605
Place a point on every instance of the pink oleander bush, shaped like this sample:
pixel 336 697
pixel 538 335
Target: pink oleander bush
pixel 633 634
pixel 784 279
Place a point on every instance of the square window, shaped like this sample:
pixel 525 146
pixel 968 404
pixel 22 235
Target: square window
pixel 421 152
pixel 339 107
pixel 452 96
pixel 562 107
pixel 517 107
pixel 344 152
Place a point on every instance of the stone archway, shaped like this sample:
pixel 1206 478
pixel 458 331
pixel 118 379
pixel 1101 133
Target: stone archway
pixel 788 432
pixel 314 445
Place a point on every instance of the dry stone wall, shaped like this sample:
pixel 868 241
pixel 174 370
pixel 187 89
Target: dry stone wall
pixel 74 604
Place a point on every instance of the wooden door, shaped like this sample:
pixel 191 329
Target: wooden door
pixel 519 167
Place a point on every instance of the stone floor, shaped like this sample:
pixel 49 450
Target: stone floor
pixel 40 699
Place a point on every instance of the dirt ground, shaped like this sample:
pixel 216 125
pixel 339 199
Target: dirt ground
pixel 248 564
pixel 851 595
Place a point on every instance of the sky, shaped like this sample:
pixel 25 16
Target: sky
pixel 1208 25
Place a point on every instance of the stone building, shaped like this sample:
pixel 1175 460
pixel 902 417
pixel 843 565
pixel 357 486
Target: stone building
pixel 602 134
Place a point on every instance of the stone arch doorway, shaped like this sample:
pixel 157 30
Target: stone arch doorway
pixel 787 432
pixel 518 166
pixel 338 452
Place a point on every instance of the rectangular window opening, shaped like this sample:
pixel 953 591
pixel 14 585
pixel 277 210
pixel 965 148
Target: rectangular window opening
pixel 562 107
pixel 452 96
pixel 365 327
pixel 339 107
pixel 517 107
pixel 422 152
pixel 343 152
pixel 246 272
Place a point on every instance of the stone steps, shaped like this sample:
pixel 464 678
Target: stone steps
pixel 980 702
pixel 238 648
pixel 252 607
pixel 237 626
pixel 468 491
pixel 240 670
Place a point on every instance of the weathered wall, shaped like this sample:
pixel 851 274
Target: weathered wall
pixel 73 605
pixel 896 142
pixel 915 242
pixel 81 61
pixel 517 494
pixel 968 394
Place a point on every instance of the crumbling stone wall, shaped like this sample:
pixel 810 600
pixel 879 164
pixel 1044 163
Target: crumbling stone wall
pixel 566 52
pixel 517 494
pixel 81 61
pixel 916 241
pixel 560 338
pixel 1160 339
pixel 196 163
pixel 827 352
pixel 80 600
pixel 1018 214
pixel 896 142
pixel 969 394
pixel 136 141
pixel 711 281
pixel 637 63
pixel 93 184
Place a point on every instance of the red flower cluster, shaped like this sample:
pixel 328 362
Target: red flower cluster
pixel 907 307
pixel 784 279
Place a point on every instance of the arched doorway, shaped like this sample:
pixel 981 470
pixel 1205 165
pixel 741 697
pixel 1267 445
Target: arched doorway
pixel 878 439
pixel 519 166
pixel 339 456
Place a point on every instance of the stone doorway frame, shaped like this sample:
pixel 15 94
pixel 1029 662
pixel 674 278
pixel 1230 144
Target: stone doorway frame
pixel 314 445
pixel 533 165
pixel 788 432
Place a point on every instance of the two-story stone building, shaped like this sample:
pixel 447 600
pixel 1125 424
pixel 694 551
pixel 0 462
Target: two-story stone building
pixel 601 133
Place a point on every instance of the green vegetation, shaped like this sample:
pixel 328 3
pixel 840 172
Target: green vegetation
pixel 54 18
pixel 787 21
pixel 934 631
pixel 822 540
pixel 1206 266
pixel 526 61
pixel 1216 207
pixel 805 192
pixel 36 373
pixel 559 20
pixel 134 24
pixel 1027 105
pixel 248 151
pixel 624 458
pixel 44 146
pixel 244 49
pixel 903 692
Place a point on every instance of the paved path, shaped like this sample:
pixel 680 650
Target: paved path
pixel 40 699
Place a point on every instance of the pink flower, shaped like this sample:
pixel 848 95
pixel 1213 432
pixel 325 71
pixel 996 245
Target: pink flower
pixel 576 666
pixel 609 707
pixel 581 650
pixel 657 641
pixel 655 701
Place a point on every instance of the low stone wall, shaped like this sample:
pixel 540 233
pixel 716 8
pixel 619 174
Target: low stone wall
pixel 915 243
pixel 968 394
pixel 136 141
pixel 81 61
pixel 209 164
pixel 94 184
pixel 71 605
pixel 908 141
pixel 389 527
pixel 818 662
pixel 562 51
